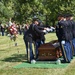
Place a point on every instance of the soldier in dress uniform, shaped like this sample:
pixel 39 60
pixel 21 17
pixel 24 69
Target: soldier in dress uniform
pixel 73 32
pixel 38 37
pixel 63 38
pixel 70 35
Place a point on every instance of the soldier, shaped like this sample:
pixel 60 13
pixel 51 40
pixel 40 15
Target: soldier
pixel 28 39
pixel 61 32
pixel 69 32
pixel 38 37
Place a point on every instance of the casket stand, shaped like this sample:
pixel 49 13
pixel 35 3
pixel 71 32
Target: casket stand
pixel 49 51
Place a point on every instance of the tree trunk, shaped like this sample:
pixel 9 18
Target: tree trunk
pixel 53 23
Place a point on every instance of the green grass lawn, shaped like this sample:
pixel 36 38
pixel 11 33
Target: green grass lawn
pixel 11 56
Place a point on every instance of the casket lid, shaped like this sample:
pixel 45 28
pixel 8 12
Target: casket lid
pixel 48 46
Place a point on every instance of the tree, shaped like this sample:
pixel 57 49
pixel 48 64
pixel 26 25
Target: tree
pixel 58 6
pixel 6 10
pixel 23 10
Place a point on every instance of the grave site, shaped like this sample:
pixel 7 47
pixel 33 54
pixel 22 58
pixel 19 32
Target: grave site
pixel 13 59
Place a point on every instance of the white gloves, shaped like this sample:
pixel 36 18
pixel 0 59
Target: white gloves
pixel 44 31
pixel 63 42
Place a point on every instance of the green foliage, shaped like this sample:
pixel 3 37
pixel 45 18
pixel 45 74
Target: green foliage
pixel 5 10
pixel 54 7
pixel 22 10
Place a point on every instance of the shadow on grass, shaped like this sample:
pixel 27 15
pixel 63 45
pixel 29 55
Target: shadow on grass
pixel 2 50
pixel 16 58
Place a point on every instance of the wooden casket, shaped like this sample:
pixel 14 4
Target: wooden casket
pixel 49 51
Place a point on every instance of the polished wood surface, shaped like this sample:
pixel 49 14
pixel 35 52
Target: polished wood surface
pixel 49 51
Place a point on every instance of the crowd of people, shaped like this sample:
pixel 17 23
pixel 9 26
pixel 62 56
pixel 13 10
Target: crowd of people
pixel 12 29
pixel 4 28
pixel 65 31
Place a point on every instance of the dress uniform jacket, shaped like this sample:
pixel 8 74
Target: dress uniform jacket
pixel 73 28
pixel 73 32
pixel 39 34
pixel 58 33
pixel 64 29
pixel 70 28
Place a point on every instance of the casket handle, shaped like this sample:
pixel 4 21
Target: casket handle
pixel 44 54
pixel 49 54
